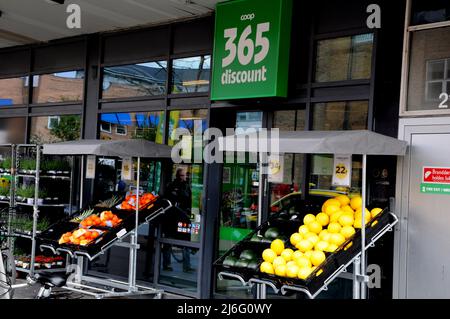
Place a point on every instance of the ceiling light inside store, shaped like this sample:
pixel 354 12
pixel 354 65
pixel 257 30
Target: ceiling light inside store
pixel 55 1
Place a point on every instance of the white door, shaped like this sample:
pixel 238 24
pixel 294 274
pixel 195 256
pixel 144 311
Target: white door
pixel 422 259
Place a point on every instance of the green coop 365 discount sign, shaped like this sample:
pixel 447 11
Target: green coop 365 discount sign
pixel 251 49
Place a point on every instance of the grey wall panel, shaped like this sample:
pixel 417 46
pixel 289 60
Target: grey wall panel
pixel 61 56
pixel 136 46
pixel 14 63
pixel 193 36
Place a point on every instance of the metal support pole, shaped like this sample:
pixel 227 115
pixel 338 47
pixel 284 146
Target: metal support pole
pixel 134 236
pixel 356 285
pixel 363 228
pixel 35 209
pixel 261 289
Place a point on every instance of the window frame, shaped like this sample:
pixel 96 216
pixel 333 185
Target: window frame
pixel 52 117
pixel 125 128
pixel 103 130
pixel 404 86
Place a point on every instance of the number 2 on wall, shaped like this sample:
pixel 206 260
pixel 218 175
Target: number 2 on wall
pixel 444 98
pixel 246 43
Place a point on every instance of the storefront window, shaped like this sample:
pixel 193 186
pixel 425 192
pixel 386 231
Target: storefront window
pixel 143 79
pixel 58 87
pixel 285 185
pixel 350 115
pixel 124 126
pixel 191 74
pixel 184 266
pixel 185 188
pixel 12 130
pixel 52 129
pixel 429 72
pixel 13 91
pixel 345 58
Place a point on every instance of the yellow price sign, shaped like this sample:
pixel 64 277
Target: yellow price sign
pixel 342 170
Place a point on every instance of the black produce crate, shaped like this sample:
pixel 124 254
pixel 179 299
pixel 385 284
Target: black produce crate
pixel 317 279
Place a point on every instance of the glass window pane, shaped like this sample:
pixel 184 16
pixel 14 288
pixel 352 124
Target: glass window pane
pixel 340 115
pixel 361 63
pixel 428 53
pixel 12 130
pixel 434 89
pixel 345 58
pixel 179 267
pixel 13 91
pixel 284 120
pixel 52 129
pixel 429 11
pixel 191 74
pixel 436 70
pixel 58 87
pixel 122 126
pixel 143 79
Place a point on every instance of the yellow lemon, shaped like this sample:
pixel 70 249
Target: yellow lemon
pixel 312 238
pixel 277 246
pixel 295 238
pixel 348 209
pixel 321 245
pixel 374 212
pixel 297 254
pixel 308 219
pixel 287 254
pixel 323 233
pixel 367 216
pixel 334 228
pixel 315 227
pixel 278 261
pixel 347 231
pixel 292 271
pixel 267 268
pixel 331 248
pixel 356 202
pixel 269 255
pixel 317 257
pixel 280 270
pixel 323 219
pixel 304 245
pixel 343 199
pixel 304 273
pixel 303 230
pixel 337 239
pixel 346 220
pixel 292 262
pixel 335 217
pixel 308 254
pixel 330 202
pixel 330 210
pixel 303 262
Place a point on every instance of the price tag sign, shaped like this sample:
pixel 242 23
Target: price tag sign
pixel 276 169
pixel 342 170
pixel 90 167
pixel 127 166
pixel 251 49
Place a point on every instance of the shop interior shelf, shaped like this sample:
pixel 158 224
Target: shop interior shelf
pixel 63 177
pixel 25 270
pixel 322 276
pixel 49 239
pixel 42 205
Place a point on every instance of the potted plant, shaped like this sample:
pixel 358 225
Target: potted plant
pixel 26 193
pixel 4 193
pixel 5 165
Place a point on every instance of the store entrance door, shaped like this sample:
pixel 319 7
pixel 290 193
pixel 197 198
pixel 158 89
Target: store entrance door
pixel 422 263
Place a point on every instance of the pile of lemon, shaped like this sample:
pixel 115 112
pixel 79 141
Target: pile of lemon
pixel 324 232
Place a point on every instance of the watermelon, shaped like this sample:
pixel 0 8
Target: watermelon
pixel 272 233
pixel 230 261
pixel 247 254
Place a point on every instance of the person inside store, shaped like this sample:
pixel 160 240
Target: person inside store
pixel 179 193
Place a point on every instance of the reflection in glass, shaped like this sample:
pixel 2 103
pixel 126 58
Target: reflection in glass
pixel 143 79
pixel 345 58
pixel 429 68
pixel 340 115
pixel 124 126
pixel 58 87
pixel 179 267
pixel 191 74
pixel 430 11
pixel 13 91
pixel 12 130
pixel 52 129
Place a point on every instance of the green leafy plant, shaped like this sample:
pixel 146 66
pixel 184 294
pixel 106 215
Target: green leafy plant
pixel 25 191
pixel 28 164
pixel 4 191
pixel 6 163
pixel 55 165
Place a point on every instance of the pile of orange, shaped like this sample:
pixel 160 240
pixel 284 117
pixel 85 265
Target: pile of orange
pixel 80 236
pixel 144 199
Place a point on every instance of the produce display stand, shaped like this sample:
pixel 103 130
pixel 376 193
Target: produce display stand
pixel 352 251
pixel 101 287
pixel 15 173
